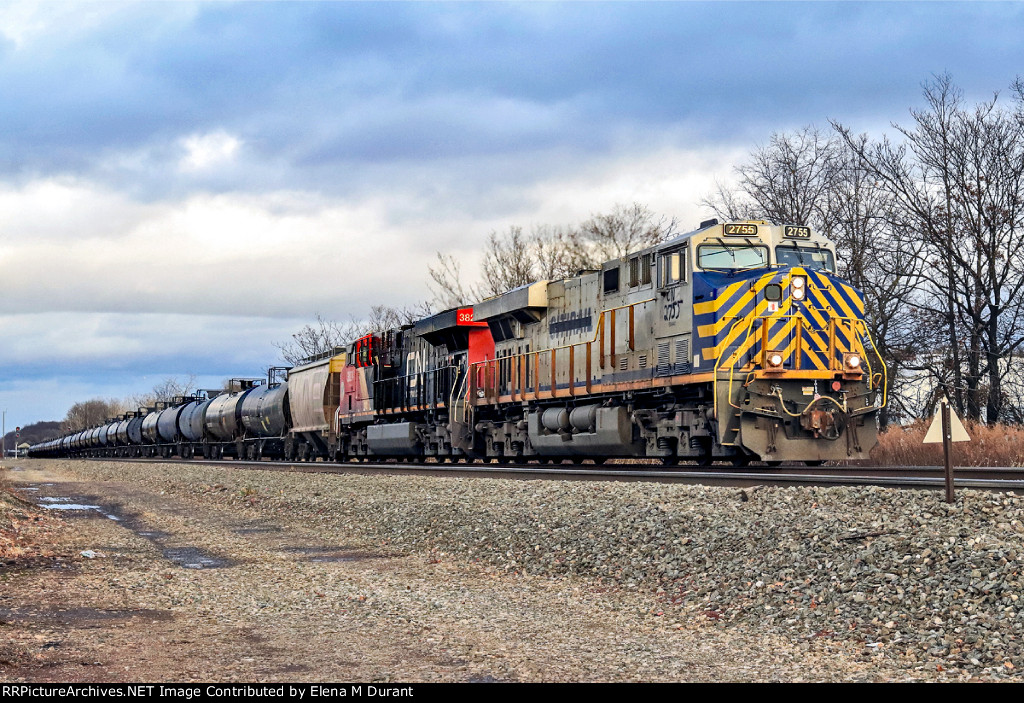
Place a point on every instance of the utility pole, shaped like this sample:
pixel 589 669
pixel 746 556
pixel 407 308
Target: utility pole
pixel 3 452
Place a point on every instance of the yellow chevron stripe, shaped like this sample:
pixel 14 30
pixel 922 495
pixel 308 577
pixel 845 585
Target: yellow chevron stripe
pixel 858 301
pixel 835 302
pixel 714 352
pixel 719 324
pixel 719 299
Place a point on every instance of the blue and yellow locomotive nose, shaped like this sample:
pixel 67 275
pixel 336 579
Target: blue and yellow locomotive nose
pixel 793 362
pixel 785 320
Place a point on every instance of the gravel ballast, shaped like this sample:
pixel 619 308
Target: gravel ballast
pixel 907 584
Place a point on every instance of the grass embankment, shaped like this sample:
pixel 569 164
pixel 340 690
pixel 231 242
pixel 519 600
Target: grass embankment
pixel 999 445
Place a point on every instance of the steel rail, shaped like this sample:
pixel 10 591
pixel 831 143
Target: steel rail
pixel 918 477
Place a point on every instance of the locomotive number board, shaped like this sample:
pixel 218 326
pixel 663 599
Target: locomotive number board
pixel 796 232
pixel 741 230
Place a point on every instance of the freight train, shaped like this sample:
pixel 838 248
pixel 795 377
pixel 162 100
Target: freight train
pixel 735 342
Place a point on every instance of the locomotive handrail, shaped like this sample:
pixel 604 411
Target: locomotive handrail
pixel 858 327
pixel 490 366
pixel 457 393
pixel 389 396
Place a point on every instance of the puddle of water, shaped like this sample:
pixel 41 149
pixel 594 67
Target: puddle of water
pixel 69 506
pixel 30 488
pixel 187 557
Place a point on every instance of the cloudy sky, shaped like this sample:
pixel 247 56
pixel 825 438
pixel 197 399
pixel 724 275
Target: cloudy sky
pixel 183 184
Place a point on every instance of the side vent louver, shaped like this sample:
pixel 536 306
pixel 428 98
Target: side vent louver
pixel 682 356
pixel 664 367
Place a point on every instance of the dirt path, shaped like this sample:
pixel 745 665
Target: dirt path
pixel 180 590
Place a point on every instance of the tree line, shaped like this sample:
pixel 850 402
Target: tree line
pixel 512 258
pixel 97 411
pixel 928 221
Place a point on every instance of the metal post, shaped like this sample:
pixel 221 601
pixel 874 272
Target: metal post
pixel 946 447
pixel 3 452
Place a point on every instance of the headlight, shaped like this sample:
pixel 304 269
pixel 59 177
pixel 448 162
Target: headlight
pixel 774 360
pixel 798 287
pixel 852 362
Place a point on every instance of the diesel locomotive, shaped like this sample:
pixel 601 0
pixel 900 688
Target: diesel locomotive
pixel 735 342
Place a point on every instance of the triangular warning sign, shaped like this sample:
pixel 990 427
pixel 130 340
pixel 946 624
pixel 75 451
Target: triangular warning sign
pixel 957 433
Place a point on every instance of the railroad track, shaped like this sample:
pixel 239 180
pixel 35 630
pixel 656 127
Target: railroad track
pixel 920 477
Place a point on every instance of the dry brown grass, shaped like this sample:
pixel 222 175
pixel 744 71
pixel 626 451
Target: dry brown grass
pixel 25 531
pixel 999 445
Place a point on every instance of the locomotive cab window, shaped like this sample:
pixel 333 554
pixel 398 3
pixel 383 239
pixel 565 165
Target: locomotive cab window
pixel 808 257
pixel 731 257
pixel 672 268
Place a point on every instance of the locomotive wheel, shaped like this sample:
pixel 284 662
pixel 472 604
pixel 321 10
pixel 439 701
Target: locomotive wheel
pixel 670 461
pixel 598 461
pixel 815 462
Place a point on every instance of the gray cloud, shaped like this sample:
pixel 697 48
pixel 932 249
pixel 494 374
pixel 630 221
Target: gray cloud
pixel 183 184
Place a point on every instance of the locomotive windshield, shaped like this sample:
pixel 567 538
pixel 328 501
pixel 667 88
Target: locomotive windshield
pixel 808 257
pixel 729 257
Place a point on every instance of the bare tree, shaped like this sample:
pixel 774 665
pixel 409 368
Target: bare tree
pixel 792 179
pixel 513 259
pixel 174 387
pixel 326 335
pixel 448 288
pixel 90 413
pixel 163 392
pixel 806 177
pixel 317 338
pixel 958 179
pixel 559 252
pixel 508 262
pixel 627 228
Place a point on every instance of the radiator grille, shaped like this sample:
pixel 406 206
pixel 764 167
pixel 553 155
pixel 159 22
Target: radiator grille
pixel 663 367
pixel 682 356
